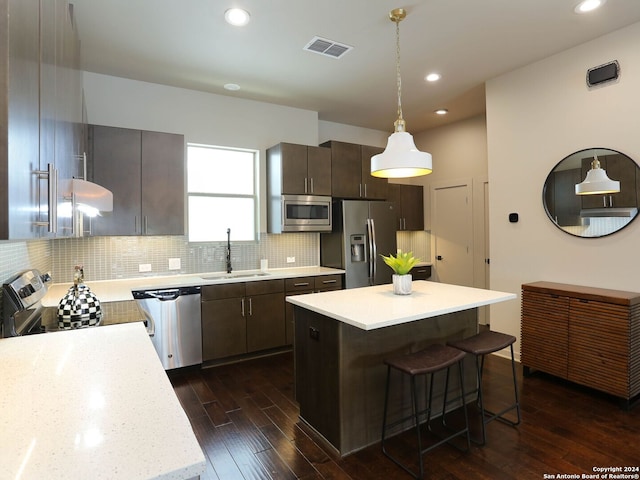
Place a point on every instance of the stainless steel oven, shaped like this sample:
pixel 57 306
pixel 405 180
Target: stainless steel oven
pixel 21 303
pixel 306 213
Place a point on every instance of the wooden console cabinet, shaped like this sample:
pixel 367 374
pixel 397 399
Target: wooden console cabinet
pixel 590 336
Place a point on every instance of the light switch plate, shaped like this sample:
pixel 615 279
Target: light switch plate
pixel 144 267
pixel 291 259
pixel 174 264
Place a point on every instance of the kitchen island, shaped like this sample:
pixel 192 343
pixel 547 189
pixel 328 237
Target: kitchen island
pixel 343 337
pixel 91 403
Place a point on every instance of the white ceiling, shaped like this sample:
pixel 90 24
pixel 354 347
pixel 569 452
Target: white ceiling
pixel 186 43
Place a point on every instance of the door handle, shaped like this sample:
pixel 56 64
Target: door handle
pixel 438 257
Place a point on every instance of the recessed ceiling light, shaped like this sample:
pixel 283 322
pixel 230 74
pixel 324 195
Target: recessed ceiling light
pixel 231 86
pixel 441 111
pixel 433 77
pixel 237 17
pixel 589 5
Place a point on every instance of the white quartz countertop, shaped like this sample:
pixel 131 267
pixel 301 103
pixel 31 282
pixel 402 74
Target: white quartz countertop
pixel 369 308
pixel 120 290
pixel 93 403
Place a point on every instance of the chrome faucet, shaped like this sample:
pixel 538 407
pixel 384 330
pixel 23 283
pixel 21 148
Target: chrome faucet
pixel 229 250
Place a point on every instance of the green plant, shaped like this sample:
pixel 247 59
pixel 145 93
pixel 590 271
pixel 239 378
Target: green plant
pixel 402 263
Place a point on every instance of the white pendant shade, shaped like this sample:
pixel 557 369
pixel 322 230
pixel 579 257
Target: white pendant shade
pixel 401 158
pixel 597 182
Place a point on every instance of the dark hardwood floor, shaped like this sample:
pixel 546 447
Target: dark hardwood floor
pixel 246 420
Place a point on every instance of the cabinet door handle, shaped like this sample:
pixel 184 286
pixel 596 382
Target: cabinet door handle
pixel 301 284
pixel 145 225
pixel 329 281
pixel 51 174
pixel 242 306
pixel 250 308
pixel 305 185
pixel 311 181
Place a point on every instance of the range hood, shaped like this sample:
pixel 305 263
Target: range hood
pixel 88 196
pixel 628 212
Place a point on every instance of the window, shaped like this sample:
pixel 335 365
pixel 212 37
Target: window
pixel 222 193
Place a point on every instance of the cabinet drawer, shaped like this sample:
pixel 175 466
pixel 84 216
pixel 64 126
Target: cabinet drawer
pixel 421 273
pixel 226 290
pixel 261 287
pixel 328 282
pixel 299 284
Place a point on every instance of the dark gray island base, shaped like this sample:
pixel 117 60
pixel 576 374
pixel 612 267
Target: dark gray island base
pixel 340 373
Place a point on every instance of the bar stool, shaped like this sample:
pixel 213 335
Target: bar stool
pixel 429 361
pixel 480 345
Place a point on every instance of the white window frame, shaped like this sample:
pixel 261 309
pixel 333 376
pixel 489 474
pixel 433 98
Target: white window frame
pixel 255 197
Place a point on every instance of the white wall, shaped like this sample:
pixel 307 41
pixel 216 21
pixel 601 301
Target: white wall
pixel 459 151
pixel 536 116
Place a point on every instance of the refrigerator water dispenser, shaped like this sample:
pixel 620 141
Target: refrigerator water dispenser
pixel 357 248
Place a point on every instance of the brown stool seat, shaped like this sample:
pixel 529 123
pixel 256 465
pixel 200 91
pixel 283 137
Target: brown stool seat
pixel 429 360
pixel 479 345
pixel 484 343
pixel 433 359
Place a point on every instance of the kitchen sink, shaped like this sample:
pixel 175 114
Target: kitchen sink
pixel 226 276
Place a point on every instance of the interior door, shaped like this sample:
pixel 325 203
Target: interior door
pixel 452 233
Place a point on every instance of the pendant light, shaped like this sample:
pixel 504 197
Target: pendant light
pixel 401 158
pixel 597 182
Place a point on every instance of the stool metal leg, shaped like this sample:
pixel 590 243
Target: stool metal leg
pixel 488 416
pixel 415 415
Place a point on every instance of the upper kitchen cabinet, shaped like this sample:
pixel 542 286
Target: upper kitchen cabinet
pixel 409 206
pixel 299 170
pixel 39 95
pixel 351 172
pixel 374 188
pixel 145 172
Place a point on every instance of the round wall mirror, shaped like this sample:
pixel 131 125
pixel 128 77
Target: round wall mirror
pixel 593 192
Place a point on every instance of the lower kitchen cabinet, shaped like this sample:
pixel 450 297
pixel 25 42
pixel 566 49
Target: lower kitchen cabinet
pixel 239 318
pixel 590 336
pixel 265 315
pixel 421 272
pixel 302 285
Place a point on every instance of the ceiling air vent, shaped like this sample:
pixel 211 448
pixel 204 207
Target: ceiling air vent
pixel 326 47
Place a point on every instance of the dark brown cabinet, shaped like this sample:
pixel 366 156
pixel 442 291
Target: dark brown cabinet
pixel 298 170
pixel 409 206
pixel 351 172
pixel 302 285
pixel 618 167
pixel 239 318
pixel 421 272
pixel 590 336
pixel 145 172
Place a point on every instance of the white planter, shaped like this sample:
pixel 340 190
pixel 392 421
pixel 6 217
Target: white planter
pixel 402 284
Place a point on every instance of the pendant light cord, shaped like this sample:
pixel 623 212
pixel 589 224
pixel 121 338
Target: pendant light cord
pixel 398 69
pixel 399 124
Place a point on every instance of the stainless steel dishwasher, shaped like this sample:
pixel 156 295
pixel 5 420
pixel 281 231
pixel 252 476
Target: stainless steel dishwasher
pixel 173 320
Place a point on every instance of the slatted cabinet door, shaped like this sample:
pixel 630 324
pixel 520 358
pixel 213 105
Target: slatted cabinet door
pixel 599 345
pixel 588 335
pixel 545 332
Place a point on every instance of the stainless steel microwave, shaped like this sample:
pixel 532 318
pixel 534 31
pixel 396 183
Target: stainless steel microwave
pixel 305 213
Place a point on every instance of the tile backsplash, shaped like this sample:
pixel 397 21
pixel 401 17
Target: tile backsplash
pixel 110 258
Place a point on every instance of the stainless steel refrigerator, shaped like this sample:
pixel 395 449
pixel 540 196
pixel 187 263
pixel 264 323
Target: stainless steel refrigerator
pixel 362 231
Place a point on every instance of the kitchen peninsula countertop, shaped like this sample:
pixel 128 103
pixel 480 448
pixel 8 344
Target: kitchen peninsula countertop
pixel 120 290
pixel 91 403
pixel 375 307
